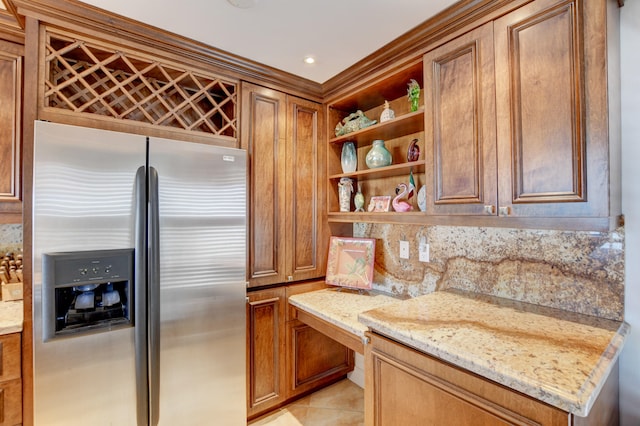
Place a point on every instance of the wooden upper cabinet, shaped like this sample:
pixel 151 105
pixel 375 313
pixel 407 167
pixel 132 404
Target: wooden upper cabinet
pixel 522 117
pixel 263 130
pixel 305 166
pixel 540 98
pixel 281 134
pixel 11 57
pixel 460 100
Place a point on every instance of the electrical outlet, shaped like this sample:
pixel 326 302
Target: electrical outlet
pixel 404 249
pixel 423 252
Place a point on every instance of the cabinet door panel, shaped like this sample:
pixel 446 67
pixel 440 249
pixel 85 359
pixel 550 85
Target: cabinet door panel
pixel 10 128
pixel 307 188
pixel 315 358
pixel 265 345
pixel 264 137
pixel 540 101
pixel 407 387
pixel 460 121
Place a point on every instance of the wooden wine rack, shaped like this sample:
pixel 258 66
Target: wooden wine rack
pixel 88 77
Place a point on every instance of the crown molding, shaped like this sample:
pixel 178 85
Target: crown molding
pixel 452 21
pixel 72 14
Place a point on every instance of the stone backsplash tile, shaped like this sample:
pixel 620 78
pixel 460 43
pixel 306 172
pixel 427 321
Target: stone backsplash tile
pixel 10 238
pixel 576 271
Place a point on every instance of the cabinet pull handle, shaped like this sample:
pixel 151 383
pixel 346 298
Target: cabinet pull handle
pixel 490 209
pixel 504 211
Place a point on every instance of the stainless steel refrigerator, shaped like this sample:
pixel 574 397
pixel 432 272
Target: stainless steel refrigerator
pixel 139 282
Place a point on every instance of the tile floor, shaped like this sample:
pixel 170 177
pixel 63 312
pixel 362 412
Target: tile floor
pixel 341 404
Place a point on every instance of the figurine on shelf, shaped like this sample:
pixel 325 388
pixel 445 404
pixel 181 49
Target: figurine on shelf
pixel 413 153
pixel 387 113
pixel 358 199
pixel 397 203
pixel 413 94
pixel 422 198
pixel 412 185
pixel 354 122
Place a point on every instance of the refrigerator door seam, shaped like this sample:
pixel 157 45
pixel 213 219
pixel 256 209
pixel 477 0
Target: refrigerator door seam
pixel 154 298
pixel 140 299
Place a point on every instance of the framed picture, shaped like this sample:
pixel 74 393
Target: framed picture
pixel 350 262
pixel 379 203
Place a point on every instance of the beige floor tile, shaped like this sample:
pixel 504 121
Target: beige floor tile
pixel 341 404
pixel 344 395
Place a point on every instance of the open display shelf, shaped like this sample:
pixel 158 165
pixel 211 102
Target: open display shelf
pixel 398 133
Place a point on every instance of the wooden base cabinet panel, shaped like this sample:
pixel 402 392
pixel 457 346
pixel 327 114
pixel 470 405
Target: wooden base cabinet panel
pixel 10 380
pixel 11 403
pixel 406 387
pixel 287 359
pixel 315 359
pixel 266 373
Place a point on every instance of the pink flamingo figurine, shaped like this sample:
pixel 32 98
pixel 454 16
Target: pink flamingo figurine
pixel 398 205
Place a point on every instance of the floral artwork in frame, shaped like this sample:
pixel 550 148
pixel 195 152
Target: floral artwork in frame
pixel 379 203
pixel 350 262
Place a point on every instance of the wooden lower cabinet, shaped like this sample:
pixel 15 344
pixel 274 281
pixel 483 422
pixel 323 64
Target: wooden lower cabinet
pixel 10 380
pixel 286 358
pixel 407 387
pixel 266 373
pixel 314 359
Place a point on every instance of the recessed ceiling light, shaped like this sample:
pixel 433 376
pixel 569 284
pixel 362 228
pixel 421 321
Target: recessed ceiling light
pixel 309 60
pixel 243 4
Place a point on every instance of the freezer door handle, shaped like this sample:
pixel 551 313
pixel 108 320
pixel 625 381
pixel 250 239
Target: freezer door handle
pixel 140 298
pixel 154 299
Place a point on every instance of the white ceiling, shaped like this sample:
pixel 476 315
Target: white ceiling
pixel 280 33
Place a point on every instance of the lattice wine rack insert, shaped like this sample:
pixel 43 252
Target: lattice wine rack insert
pixel 89 78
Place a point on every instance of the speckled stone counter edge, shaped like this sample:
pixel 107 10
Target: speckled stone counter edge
pixel 579 405
pixel 11 317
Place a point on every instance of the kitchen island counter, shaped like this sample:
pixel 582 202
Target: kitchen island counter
pixel 11 317
pixel 554 356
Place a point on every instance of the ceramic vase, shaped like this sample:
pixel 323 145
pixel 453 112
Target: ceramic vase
pixel 349 158
pixel 345 188
pixel 378 155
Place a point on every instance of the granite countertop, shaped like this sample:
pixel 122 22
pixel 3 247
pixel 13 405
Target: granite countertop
pixel 341 307
pixel 555 356
pixel 11 316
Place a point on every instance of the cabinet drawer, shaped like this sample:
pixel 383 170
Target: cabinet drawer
pixel 9 357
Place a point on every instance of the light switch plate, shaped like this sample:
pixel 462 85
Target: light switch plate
pixel 404 249
pixel 423 252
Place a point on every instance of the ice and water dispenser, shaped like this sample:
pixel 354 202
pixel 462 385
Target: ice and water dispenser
pixel 86 292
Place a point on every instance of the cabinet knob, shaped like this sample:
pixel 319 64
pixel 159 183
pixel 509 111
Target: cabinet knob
pixel 289 277
pixel 504 211
pixel 490 209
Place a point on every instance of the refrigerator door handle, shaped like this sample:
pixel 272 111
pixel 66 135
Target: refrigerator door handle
pixel 140 298
pixel 154 298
